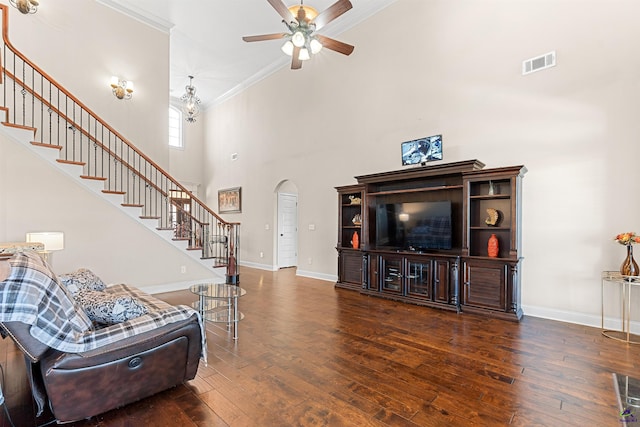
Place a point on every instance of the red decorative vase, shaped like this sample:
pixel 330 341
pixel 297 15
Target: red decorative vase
pixel 629 267
pixel 492 246
pixel 355 241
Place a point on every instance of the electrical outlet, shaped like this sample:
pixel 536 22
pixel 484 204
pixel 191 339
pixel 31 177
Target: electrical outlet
pixel 261 254
pixel 266 226
pixel 310 261
pixel 183 269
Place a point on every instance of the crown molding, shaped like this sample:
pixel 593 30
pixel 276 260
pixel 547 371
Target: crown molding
pixel 139 15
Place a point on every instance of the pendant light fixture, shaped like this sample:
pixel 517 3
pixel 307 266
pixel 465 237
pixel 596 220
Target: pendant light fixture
pixel 190 102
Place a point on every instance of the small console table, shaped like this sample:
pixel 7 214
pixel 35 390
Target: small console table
pixel 218 303
pixel 625 283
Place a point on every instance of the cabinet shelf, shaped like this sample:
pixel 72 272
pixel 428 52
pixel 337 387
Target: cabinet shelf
pixel 487 228
pixel 416 190
pixel 492 197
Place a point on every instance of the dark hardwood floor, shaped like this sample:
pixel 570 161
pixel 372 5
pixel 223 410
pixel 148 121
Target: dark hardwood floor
pixel 312 355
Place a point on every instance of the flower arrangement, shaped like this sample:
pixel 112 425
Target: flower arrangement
pixel 627 238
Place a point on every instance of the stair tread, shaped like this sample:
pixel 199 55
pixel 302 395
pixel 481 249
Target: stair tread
pixel 149 217
pixel 194 248
pixel 97 178
pixel 71 162
pixel 114 192
pixel 131 205
pixel 14 125
pixel 44 144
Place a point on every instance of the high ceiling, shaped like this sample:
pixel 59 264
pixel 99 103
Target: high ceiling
pixel 206 39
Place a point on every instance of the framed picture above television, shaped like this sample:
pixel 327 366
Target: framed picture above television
pixel 420 151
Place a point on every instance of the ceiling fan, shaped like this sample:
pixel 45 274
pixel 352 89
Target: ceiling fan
pixel 302 22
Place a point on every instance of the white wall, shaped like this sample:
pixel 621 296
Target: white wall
pixel 454 68
pixel 81 44
pixel 186 164
pixel 99 236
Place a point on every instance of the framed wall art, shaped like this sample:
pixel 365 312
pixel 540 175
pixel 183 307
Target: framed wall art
pixel 230 200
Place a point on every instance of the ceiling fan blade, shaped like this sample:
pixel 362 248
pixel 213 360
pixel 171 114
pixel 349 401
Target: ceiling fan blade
pixel 332 12
pixel 335 45
pixel 264 37
pixel 282 10
pixel 296 62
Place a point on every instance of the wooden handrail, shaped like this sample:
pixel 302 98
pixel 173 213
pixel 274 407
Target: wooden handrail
pixel 5 36
pixel 75 125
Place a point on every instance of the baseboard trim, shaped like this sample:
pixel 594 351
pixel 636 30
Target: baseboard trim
pixel 314 275
pixel 592 320
pixel 178 286
pixel 562 315
pixel 258 266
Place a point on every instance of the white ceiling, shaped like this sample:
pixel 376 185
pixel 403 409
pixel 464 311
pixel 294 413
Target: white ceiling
pixel 206 39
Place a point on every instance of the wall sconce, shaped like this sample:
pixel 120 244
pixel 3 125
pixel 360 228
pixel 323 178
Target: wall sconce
pixel 122 89
pixel 25 6
pixel 52 240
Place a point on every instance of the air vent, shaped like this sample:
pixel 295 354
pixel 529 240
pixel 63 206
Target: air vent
pixel 539 63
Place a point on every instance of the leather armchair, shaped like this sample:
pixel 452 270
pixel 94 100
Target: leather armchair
pixel 82 384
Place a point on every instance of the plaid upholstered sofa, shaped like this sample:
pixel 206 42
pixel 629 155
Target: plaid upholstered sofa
pixel 81 367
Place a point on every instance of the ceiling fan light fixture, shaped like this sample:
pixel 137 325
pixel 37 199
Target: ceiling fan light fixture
pixel 315 46
pixel 288 48
pixel 304 55
pixel 309 12
pixel 298 39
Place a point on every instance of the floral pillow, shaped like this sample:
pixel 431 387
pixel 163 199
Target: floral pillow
pixel 81 279
pixel 105 308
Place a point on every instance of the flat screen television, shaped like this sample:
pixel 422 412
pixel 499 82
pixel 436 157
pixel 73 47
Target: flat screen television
pixel 420 151
pixel 414 226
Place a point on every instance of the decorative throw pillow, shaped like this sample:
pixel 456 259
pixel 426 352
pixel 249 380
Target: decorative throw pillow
pixel 81 279
pixel 105 308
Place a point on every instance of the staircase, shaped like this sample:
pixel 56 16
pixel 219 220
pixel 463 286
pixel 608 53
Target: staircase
pixel 36 111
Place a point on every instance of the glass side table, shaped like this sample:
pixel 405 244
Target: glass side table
pixel 218 303
pixel 626 284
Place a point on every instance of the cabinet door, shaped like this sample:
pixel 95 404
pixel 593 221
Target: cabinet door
pixel 392 274
pixel 351 267
pixel 373 282
pixel 485 285
pixel 441 281
pixel 418 278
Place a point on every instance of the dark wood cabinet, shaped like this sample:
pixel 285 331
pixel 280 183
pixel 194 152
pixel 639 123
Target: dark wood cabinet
pixel 350 220
pixel 424 280
pixel 456 272
pixel 350 268
pixel 491 287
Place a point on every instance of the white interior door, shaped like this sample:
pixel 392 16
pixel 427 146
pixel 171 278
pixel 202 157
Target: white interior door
pixel 287 230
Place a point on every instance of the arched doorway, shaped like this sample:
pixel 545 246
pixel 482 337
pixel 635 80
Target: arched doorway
pixel 287 224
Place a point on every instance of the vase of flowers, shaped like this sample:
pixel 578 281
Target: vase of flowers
pixel 629 267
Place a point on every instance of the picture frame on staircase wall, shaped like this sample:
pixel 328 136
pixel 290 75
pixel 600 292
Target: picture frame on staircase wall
pixel 230 200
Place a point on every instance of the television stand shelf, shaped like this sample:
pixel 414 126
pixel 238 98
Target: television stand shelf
pixel 422 237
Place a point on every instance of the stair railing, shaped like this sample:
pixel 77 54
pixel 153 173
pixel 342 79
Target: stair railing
pixel 60 121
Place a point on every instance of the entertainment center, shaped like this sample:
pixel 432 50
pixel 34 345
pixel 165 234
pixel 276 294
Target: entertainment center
pixel 421 235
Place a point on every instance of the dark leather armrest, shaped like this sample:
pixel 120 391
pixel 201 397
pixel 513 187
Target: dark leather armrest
pixel 19 333
pixel 129 346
